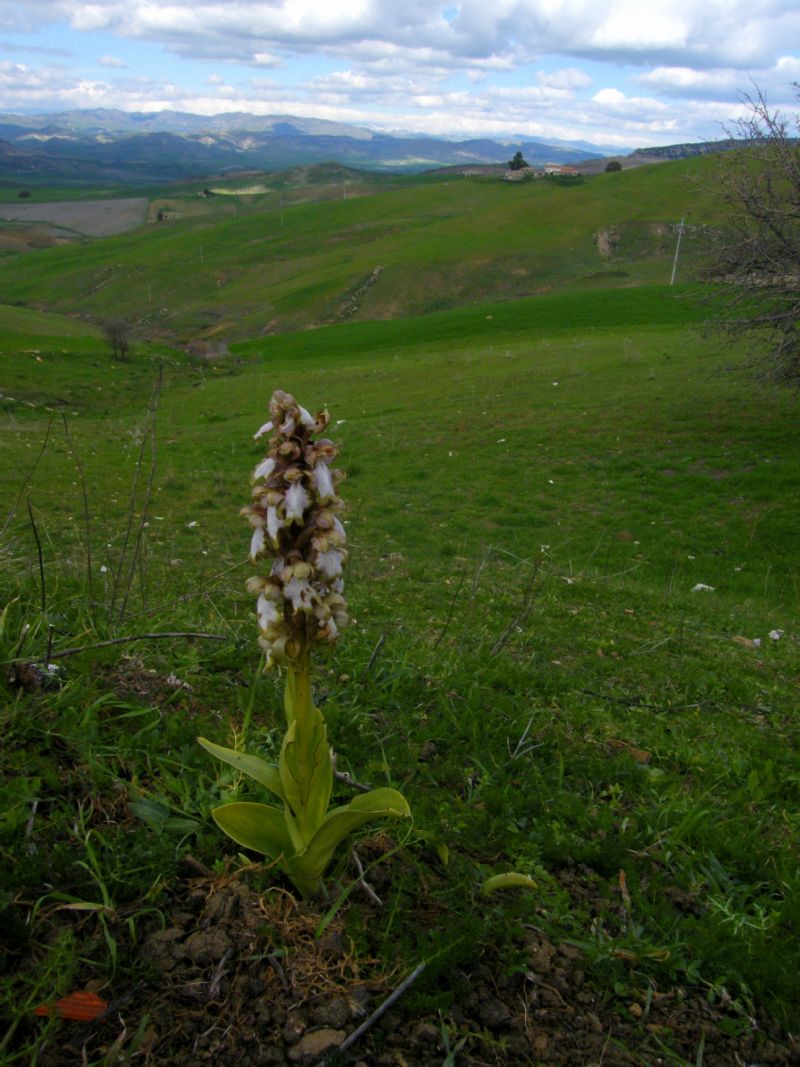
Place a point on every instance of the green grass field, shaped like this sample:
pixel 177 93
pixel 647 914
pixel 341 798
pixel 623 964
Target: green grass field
pixel 535 490
pixel 229 268
pixel 573 586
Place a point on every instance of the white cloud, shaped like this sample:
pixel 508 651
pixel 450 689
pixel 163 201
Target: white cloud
pixel 725 83
pixel 469 67
pixel 609 96
pixel 717 33
pixel 570 78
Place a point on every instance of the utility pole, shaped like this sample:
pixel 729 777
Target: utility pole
pixel 677 250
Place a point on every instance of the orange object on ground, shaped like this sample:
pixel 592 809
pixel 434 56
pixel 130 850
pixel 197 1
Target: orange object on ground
pixel 82 1007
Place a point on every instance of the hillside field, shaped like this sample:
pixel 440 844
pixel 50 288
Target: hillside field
pixel 574 647
pixel 225 268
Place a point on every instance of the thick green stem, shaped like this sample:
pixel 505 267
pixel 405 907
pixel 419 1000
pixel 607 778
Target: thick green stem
pixel 305 764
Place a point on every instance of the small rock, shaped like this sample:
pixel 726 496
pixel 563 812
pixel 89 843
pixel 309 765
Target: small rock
pixel 315 1043
pixel 427 752
pixel 293 1029
pixel 333 945
pixel 334 1012
pixel 494 1014
pixel 540 1043
pixel 358 1001
pixel 207 946
pixel 425 1034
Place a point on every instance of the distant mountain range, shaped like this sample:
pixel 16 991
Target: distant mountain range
pixel 107 145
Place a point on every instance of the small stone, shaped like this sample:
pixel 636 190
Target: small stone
pixel 333 945
pixel 334 1012
pixel 207 946
pixel 426 1034
pixel 427 752
pixel 358 1001
pixel 494 1014
pixel 315 1043
pixel 293 1029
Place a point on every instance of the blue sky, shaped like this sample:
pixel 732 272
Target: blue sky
pixel 621 72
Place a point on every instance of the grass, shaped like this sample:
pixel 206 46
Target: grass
pixel 535 490
pixel 230 268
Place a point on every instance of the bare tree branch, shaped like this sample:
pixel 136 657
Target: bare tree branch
pixel 754 258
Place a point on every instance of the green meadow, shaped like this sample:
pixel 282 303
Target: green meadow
pixel 235 267
pixel 573 589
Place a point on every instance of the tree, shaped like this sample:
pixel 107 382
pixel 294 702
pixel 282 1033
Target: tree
pixel 613 164
pixel 118 335
pixel 518 162
pixel 755 254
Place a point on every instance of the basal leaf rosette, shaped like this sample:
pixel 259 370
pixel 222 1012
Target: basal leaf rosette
pixel 297 534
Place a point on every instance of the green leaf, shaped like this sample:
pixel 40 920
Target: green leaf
pixel 511 880
pixel 259 827
pixel 264 773
pixel 305 770
pixel 339 823
pixel 4 614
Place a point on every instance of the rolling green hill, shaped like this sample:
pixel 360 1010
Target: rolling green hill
pixel 260 266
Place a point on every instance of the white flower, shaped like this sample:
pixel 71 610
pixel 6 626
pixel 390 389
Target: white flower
pixel 701 587
pixel 257 542
pixel 267 612
pixel 323 483
pixel 274 524
pixel 776 635
pixel 330 563
pixel 300 593
pixel 293 502
pixel 264 429
pixel 264 469
pixel 192 524
pixel 328 632
pixel 296 502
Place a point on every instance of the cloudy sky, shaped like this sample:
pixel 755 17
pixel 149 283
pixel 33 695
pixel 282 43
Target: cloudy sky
pixel 613 72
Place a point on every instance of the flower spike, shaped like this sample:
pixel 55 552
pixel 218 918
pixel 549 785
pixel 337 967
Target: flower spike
pixel 297 529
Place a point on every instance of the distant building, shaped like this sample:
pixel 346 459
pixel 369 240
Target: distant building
pixel 561 168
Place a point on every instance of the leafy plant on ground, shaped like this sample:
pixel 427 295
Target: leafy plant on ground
pixel 294 516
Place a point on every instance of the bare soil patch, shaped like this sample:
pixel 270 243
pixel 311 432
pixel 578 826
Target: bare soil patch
pixel 92 218
pixel 239 976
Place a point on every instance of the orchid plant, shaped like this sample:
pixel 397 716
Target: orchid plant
pixel 299 540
